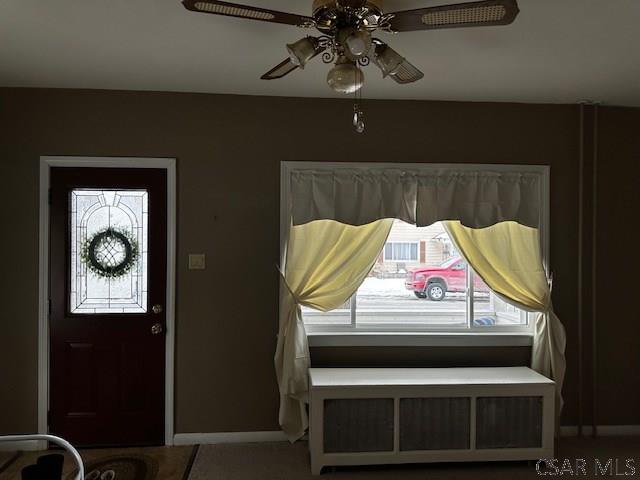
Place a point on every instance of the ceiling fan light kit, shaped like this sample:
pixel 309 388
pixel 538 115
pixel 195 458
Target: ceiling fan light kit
pixel 387 59
pixel 302 51
pixel 355 43
pixel 346 35
pixel 358 43
pixel 345 77
pixel 393 64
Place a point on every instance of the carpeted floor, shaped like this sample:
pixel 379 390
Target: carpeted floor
pixel 149 463
pixel 281 461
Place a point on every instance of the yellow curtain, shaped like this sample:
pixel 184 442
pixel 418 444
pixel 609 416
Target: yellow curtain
pixel 507 256
pixel 326 262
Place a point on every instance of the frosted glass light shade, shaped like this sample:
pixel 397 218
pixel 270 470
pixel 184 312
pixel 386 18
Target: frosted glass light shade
pixel 302 51
pixel 345 77
pixel 358 43
pixel 387 59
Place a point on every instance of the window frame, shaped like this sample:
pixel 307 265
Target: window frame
pixel 354 334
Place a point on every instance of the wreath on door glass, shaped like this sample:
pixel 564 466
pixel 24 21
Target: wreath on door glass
pixel 110 253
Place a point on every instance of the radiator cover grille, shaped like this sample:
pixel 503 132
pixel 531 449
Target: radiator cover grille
pixel 434 423
pixel 508 422
pixel 358 425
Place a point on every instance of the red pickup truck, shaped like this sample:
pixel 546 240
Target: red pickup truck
pixel 434 282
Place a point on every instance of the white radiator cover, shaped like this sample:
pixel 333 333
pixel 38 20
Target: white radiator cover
pixel 364 416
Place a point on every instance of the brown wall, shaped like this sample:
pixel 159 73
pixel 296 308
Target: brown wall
pixel 228 150
pixel 618 267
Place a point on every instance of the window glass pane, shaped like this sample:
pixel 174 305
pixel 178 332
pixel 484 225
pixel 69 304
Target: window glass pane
pixel 109 230
pixel 420 281
pixel 489 310
pixel 401 251
pixel 338 317
pixel 420 287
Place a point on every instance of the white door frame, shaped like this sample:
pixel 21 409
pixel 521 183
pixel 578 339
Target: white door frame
pixel 46 163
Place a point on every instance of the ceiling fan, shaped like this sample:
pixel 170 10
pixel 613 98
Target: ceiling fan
pixel 346 34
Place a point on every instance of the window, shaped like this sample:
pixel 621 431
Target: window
pixel 419 281
pixel 108 251
pixel 401 251
pixel 433 290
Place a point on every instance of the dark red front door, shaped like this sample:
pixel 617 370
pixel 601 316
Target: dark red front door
pixel 108 283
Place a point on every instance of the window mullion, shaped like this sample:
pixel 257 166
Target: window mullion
pixel 352 303
pixel 469 296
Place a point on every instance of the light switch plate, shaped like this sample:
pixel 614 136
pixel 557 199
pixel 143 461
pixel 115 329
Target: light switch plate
pixel 197 261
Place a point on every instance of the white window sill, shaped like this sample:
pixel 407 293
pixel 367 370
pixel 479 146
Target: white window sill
pixel 413 339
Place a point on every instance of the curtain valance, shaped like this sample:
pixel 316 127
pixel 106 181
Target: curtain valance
pixel 356 197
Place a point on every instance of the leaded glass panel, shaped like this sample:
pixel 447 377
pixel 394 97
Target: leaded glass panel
pixel 109 238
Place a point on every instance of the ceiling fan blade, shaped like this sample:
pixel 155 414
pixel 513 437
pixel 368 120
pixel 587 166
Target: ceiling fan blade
pixel 244 11
pixel 471 14
pixel 394 65
pixel 281 70
pixel 407 73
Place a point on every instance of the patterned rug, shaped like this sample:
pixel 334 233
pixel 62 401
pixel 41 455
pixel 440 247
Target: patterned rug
pixel 8 458
pixel 140 463
pixel 120 467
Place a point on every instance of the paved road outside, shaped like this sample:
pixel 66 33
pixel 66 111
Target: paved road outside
pixel 391 295
pixel 387 300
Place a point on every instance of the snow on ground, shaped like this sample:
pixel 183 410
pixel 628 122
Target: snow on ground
pixel 384 287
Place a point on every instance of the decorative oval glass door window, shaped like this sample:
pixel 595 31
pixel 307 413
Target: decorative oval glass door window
pixel 109 236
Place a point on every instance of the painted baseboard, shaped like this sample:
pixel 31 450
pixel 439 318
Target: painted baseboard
pixel 25 446
pixel 603 430
pixel 228 437
pixel 278 436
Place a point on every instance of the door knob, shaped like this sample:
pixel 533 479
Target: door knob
pixel 156 329
pixel 157 308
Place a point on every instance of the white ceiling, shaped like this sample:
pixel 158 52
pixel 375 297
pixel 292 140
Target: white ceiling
pixel 558 51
